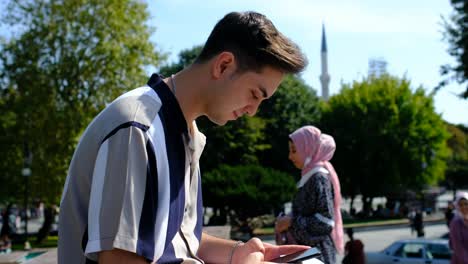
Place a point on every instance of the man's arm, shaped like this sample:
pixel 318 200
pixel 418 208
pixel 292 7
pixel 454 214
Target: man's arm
pixel 118 256
pixel 254 251
pixel 215 250
pixel 117 196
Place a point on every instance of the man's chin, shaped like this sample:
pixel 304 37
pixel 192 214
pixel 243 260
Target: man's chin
pixel 218 121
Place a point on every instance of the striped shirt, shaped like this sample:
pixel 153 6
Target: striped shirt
pixel 134 182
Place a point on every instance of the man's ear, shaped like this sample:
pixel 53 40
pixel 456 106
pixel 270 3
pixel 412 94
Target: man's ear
pixel 224 63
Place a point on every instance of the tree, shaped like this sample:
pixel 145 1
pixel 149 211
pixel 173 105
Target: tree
pixel 66 60
pixel 235 143
pixel 186 58
pixel 292 106
pixel 388 137
pixel 457 162
pixel 456 33
pixel 248 190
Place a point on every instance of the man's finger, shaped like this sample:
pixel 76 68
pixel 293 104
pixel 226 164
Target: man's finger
pixel 277 251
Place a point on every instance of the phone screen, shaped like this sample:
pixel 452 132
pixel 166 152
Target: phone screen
pixel 298 256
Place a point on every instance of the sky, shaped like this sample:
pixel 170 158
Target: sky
pixel 406 34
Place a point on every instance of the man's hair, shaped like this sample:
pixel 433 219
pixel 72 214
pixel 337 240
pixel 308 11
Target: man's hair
pixel 255 43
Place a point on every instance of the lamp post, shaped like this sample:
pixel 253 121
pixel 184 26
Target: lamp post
pixel 26 172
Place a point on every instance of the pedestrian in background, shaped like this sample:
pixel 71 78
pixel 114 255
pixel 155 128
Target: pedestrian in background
pixel 8 228
pixel 459 230
pixel 316 216
pixel 411 216
pixel 419 223
pixel 50 212
pixel 449 213
pixel 354 250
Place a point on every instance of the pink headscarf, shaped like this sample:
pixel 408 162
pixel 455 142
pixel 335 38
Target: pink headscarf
pixel 316 149
pixel 458 197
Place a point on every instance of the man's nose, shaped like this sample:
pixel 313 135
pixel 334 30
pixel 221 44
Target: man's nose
pixel 251 110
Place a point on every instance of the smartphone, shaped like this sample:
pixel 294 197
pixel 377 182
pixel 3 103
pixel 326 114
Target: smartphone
pixel 298 257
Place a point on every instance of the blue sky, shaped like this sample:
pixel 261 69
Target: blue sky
pixel 407 34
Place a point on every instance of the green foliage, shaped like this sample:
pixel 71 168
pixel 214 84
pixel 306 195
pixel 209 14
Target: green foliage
pixel 66 60
pixel 456 33
pixel 457 162
pixel 292 106
pixel 235 143
pixel 388 137
pixel 248 190
pixel 186 58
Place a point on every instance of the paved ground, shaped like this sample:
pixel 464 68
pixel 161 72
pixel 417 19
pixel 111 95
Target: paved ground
pixel 376 240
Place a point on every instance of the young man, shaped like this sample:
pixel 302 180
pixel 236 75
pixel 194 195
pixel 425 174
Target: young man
pixel 133 194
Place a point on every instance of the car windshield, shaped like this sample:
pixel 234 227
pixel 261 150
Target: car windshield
pixel 410 250
pixel 438 251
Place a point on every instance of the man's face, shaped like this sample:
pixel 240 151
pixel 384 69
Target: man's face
pixel 241 93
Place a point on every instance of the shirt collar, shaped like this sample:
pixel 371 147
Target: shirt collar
pixel 197 144
pixel 309 174
pixel 170 105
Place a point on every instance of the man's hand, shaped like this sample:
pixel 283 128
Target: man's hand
pixel 257 252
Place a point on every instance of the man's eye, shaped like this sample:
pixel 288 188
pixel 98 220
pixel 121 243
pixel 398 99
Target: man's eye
pixel 254 96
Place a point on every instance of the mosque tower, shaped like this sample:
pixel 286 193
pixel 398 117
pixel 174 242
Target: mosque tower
pixel 324 77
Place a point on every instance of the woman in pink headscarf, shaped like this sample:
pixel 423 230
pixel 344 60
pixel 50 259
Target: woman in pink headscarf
pixel 316 217
pixel 459 230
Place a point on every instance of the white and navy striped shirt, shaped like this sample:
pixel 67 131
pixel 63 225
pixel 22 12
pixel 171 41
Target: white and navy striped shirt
pixel 134 182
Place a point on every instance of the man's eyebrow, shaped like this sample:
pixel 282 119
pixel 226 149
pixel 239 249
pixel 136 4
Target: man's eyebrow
pixel 264 91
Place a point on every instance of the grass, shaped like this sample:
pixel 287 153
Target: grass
pixel 376 222
pixel 353 223
pixel 49 242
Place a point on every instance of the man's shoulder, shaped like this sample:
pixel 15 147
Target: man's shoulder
pixel 142 94
pixel 139 105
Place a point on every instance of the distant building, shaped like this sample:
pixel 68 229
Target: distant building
pixel 324 77
pixel 377 67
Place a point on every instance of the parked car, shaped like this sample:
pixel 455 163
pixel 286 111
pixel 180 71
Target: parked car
pixel 412 251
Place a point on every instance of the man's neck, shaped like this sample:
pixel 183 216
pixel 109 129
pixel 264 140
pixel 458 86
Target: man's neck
pixel 189 85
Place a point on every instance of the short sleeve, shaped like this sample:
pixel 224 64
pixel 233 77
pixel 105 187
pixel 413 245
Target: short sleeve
pixel 118 191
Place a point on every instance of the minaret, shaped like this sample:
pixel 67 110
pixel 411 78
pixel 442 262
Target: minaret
pixel 324 77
